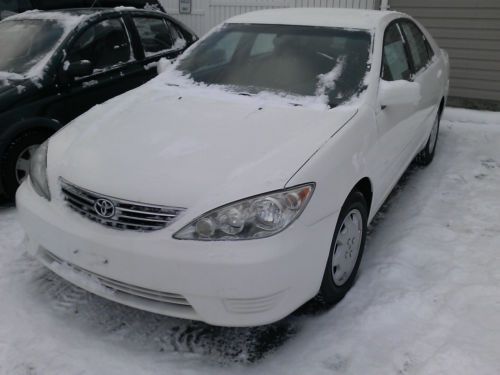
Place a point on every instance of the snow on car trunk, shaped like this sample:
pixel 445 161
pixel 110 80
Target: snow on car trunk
pixel 427 300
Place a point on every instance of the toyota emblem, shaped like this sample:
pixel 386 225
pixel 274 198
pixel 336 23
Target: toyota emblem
pixel 104 208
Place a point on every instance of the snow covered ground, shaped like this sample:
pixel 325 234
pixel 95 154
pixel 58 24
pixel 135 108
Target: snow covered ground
pixel 427 300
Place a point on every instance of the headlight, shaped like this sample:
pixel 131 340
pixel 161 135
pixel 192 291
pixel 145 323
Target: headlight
pixel 38 171
pixel 256 217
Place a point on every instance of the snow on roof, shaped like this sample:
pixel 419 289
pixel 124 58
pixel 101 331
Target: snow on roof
pixel 66 18
pixel 325 17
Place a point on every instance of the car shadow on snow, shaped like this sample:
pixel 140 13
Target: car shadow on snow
pixel 156 333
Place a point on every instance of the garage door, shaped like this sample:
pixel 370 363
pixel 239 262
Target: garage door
pixel 470 31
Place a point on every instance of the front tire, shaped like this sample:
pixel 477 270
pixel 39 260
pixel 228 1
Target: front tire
pixel 14 163
pixel 346 250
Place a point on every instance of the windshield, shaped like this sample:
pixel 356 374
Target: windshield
pixel 299 60
pixel 24 43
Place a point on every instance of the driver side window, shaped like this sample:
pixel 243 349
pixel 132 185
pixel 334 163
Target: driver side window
pixel 104 44
pixel 395 60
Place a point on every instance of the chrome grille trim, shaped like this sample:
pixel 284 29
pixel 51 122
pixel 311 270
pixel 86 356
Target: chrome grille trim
pixel 121 287
pixel 128 215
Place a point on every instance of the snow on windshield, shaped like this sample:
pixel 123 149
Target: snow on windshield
pixel 174 82
pixel 320 67
pixel 28 41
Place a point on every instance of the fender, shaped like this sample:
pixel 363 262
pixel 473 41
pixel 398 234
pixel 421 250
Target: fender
pixel 15 130
pixel 32 123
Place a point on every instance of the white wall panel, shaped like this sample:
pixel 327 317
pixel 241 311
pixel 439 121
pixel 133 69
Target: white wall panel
pixel 209 13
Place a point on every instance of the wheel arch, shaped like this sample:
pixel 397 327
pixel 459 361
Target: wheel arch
pixel 32 124
pixel 365 187
pixel 16 130
pixel 441 106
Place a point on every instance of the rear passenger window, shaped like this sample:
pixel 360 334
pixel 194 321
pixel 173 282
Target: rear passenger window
pixel 155 35
pixel 395 61
pixel 419 48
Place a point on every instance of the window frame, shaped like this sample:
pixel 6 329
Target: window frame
pixel 174 28
pixel 95 22
pixel 428 47
pixel 169 24
pixel 139 38
pixel 411 65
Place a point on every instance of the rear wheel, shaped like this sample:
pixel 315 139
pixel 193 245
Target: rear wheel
pixel 426 156
pixel 346 250
pixel 14 163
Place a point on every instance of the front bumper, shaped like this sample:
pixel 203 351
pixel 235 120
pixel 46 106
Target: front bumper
pixel 226 283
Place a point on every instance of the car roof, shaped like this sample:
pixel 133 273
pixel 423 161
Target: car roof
pixel 71 4
pixel 80 13
pixel 319 17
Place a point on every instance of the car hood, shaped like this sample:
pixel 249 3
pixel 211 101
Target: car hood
pixel 152 147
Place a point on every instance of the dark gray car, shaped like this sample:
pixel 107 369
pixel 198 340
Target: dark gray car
pixel 56 65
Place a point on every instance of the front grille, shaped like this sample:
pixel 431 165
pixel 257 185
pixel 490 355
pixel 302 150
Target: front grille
pixel 125 215
pixel 117 287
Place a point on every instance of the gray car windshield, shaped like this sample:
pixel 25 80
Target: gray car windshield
pixel 299 60
pixel 23 43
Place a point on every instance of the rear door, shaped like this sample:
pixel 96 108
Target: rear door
pixel 158 38
pixel 427 73
pixel 106 44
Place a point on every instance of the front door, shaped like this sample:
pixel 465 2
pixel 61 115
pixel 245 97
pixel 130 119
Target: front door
pixel 394 123
pixel 115 69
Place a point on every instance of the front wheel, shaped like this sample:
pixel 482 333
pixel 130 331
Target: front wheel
pixel 14 163
pixel 346 250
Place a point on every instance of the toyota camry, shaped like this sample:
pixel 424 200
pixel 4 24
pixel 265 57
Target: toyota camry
pixel 239 183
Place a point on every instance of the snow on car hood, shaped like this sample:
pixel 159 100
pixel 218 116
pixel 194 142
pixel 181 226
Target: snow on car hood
pixel 151 146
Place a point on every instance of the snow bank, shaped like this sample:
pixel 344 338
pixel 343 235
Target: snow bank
pixel 471 116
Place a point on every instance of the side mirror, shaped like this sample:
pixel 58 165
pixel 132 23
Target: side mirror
pixel 392 93
pixel 75 69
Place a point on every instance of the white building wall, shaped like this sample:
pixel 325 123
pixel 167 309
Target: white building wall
pixel 206 14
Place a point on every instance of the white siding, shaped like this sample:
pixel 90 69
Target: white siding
pixel 209 13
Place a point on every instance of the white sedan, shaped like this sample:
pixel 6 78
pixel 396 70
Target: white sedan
pixel 239 183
